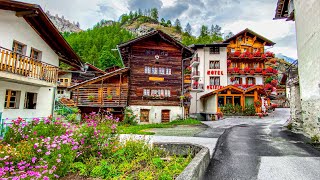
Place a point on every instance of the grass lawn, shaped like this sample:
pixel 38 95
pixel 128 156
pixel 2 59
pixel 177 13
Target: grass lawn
pixel 138 129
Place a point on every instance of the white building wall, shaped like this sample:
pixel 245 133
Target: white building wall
pixel 155 112
pixel 259 79
pixel 308 40
pixel 44 101
pixel 16 28
pixel 205 57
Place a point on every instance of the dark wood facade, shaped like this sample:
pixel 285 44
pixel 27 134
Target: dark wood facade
pixel 155 75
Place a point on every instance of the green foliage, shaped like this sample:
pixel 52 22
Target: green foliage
pixel 71 117
pixel 79 167
pixel 315 139
pixel 95 45
pixel 129 117
pixel 268 80
pixel 249 110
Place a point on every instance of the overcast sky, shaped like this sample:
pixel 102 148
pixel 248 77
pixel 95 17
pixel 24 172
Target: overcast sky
pixel 231 15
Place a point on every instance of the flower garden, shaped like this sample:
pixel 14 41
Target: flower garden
pixel 51 149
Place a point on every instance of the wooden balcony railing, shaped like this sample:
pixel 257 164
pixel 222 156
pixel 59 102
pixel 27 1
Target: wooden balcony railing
pixel 25 66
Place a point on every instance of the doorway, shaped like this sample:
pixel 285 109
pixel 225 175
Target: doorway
pixel 165 116
pixel 144 115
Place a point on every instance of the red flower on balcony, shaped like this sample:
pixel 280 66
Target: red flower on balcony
pixel 237 53
pixel 264 73
pixel 230 70
pixel 196 83
pixel 269 70
pixel 236 70
pixel 268 86
pixel 241 72
pixel 257 54
pixel 245 86
pixel 252 72
pixel 274 71
pixel 232 78
pixel 242 55
pixel 247 54
pixel 263 56
pixel 274 82
pixel 237 85
pixel 251 56
pixel 269 54
pixel 258 70
pixel 229 63
pixel 247 69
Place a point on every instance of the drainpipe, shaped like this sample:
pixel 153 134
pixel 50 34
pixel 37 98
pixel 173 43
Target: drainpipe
pixel 54 100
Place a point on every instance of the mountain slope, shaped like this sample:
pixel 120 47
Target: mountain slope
pixel 286 58
pixel 64 25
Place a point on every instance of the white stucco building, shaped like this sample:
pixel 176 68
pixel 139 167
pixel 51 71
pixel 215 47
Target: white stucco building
pixel 307 106
pixel 30 51
pixel 209 73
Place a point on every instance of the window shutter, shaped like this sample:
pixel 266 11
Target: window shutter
pixel 240 81
pixel 139 92
pixel 246 80
pixel 254 80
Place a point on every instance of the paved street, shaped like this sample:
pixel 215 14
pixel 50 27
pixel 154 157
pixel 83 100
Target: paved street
pixel 260 149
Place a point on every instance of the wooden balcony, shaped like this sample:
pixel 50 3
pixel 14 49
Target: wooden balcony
pixel 25 66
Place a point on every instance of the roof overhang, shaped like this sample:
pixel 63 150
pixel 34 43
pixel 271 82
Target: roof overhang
pixel 196 46
pixel 248 31
pixel 39 21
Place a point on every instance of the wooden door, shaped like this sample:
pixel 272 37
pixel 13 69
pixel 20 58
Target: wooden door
pixel 165 116
pixel 144 115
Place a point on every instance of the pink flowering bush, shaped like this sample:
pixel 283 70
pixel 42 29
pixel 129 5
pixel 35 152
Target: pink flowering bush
pixel 45 149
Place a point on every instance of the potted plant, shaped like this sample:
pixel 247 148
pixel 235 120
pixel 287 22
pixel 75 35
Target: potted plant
pixel 91 98
pixel 109 97
pixel 257 103
pixel 246 69
pixel 252 72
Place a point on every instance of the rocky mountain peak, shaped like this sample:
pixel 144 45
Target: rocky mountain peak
pixel 62 24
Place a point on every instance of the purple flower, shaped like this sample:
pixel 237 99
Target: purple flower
pixel 45 178
pixel 39 150
pixel 48 153
pixel 34 160
pixel 58 160
pixel 74 147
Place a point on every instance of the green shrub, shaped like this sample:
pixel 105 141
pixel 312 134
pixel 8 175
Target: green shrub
pixel 315 139
pixel 129 117
pixel 250 110
pixel 71 117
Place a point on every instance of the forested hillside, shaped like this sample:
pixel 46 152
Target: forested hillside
pixel 97 45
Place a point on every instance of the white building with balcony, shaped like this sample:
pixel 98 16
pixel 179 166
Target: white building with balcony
pixel 209 73
pixel 30 50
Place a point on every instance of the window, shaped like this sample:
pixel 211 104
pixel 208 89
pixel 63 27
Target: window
pixel 161 70
pixel 154 70
pixel 234 64
pixel 251 80
pixel 255 50
pixel 163 53
pixel 60 91
pixel 157 92
pixel 214 50
pixel 256 65
pixel 233 50
pixel 19 48
pixel 238 80
pixel 147 70
pixel 146 92
pixel 247 39
pixel 168 71
pixel 215 81
pixel 240 39
pixel 35 54
pixel 214 65
pixel 12 99
pixel 30 101
pixel 245 50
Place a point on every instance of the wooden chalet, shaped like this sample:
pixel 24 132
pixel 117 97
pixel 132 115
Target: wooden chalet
pixel 155 63
pixel 106 92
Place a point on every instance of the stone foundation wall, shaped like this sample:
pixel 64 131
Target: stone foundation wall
pixel 311 117
pixel 295 106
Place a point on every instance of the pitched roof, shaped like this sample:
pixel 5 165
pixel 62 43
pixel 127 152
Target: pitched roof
pixel 268 42
pixel 155 32
pixel 99 78
pixel 95 68
pixel 39 21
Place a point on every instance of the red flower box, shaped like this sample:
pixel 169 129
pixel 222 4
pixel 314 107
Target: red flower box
pixel 274 82
pixel 263 56
pixel 252 72
pixel 269 70
pixel 257 54
pixel 236 70
pixel 258 70
pixel 237 53
pixel 247 69
pixel 241 72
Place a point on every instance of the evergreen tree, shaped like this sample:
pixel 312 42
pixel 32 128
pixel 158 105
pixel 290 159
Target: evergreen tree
pixel 130 15
pixel 177 25
pixel 188 29
pixel 204 31
pixel 140 12
pixel 217 30
pixel 163 22
pixel 154 14
pixel 229 35
pixel 169 23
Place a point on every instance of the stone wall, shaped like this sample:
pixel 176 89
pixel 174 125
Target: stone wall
pixel 295 104
pixel 308 40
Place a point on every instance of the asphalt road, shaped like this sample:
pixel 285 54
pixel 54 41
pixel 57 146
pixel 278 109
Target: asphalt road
pixel 262 150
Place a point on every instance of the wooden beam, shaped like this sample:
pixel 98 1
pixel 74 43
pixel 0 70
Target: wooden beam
pixel 27 13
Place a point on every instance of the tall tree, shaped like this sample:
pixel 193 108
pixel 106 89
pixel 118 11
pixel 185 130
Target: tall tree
pixel 204 31
pixel 229 35
pixel 169 23
pixel 154 13
pixel 140 12
pixel 177 25
pixel 217 30
pixel 188 29
pixel 163 22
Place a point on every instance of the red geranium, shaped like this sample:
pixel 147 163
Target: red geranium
pixel 247 54
pixel 250 56
pixel 268 86
pixel 263 56
pixel 257 54
pixel 274 71
pixel 230 70
pixel 264 73
pixel 232 78
pixel 258 70
pixel 274 82
pixel 247 69
pixel 237 53
pixel 269 70
pixel 229 63
pixel 236 70
pixel 241 72
pixel 252 72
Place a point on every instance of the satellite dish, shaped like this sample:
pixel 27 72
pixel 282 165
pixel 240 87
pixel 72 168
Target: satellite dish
pixel 157 57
